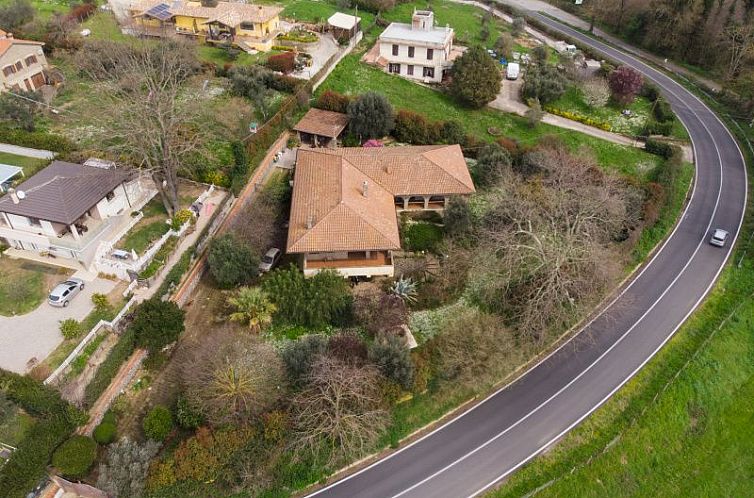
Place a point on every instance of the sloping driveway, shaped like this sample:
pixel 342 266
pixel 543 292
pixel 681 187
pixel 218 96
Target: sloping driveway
pixel 37 334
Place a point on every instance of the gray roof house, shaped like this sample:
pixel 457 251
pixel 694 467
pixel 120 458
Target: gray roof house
pixel 66 209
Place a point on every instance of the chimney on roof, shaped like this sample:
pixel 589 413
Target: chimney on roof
pixel 387 168
pixel 365 188
pixel 13 195
pixel 309 222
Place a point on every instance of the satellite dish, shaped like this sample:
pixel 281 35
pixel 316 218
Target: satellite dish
pixel 21 194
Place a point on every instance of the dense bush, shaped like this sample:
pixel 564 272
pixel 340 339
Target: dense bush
pixel 371 116
pixel 393 358
pixel 379 311
pixel 231 262
pixel 476 78
pixel 544 83
pixel 625 82
pixel 105 432
pixel 124 472
pixel 284 63
pixel 158 423
pixel 413 128
pixel 375 6
pixel 38 399
pixel 493 162
pixel 186 415
pixel 81 12
pixel 457 220
pixel 657 128
pixel 330 100
pixel 299 356
pixel 28 463
pixel 348 347
pixel 20 112
pixel 156 324
pixel 75 457
pixel 70 328
pixel 107 370
pixel 312 302
pixel 658 148
pixel 662 111
pixel 284 83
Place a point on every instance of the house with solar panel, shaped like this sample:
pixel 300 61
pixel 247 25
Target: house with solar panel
pixel 250 27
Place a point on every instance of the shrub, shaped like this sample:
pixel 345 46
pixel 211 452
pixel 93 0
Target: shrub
pixel 125 470
pixel 330 100
pixel 658 148
pixel 457 220
pixel 534 114
pixel 180 218
pixel 378 311
pixel 656 128
pixel 231 262
pixel 299 356
pixel 284 63
pixel 493 162
pixel 100 301
pixel 284 83
pixel 421 236
pixel 312 302
pixel 105 433
pixel 347 347
pixel 81 12
pixel 476 78
pixel 158 423
pixel 596 92
pixel 393 358
pixel 186 415
pixel 156 324
pixel 371 116
pixel 625 83
pixel 544 83
pixel 662 111
pixel 75 457
pixel 452 132
pixel 70 328
pixel 375 6
pixel 107 370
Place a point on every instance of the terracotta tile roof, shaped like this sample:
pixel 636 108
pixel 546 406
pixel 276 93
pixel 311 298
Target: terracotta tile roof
pixel 7 41
pixel 329 211
pixel 228 13
pixel 63 192
pixel 322 123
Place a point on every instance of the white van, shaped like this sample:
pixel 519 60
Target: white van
pixel 512 71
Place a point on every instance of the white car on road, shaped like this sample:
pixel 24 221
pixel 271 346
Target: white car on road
pixel 62 294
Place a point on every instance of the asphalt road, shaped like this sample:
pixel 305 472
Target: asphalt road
pixel 473 452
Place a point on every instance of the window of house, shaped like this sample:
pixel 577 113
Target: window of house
pixel 19 66
pixel 35 222
pixel 410 70
pixel 249 26
pixel 394 68
pixel 429 72
pixel 395 49
pixel 8 70
pixel 430 54
pixel 32 59
pixel 110 196
pixel 410 51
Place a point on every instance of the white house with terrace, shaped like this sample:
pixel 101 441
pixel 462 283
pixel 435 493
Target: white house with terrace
pixel 68 210
pixel 420 50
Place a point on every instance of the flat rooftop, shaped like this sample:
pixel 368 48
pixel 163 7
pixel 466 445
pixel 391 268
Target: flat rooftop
pixel 404 32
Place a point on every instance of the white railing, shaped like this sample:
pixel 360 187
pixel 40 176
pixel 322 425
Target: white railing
pixel 87 339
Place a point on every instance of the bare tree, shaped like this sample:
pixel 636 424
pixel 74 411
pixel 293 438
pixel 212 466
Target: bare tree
pixel 149 113
pixel 548 241
pixel 340 406
pixel 739 39
pixel 232 377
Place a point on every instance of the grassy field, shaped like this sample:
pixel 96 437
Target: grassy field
pixel 30 165
pixel 24 284
pixel 354 77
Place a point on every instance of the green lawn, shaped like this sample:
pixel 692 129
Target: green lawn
pixel 104 27
pixel 319 11
pixel 24 284
pixel 142 235
pixel 353 77
pixel 47 8
pixel 30 165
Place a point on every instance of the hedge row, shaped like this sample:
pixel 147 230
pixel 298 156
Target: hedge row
pixel 55 421
pixel 574 116
pixel 36 140
pixel 122 350
pixel 658 148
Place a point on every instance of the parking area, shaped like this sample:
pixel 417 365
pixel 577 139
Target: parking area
pixel 29 338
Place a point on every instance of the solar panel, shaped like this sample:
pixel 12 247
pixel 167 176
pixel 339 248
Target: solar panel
pixel 160 11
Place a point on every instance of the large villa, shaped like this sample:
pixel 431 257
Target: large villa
pixel 344 212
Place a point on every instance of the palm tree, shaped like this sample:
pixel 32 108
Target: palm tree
pixel 253 307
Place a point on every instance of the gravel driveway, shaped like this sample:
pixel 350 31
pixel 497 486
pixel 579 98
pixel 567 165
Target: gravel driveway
pixel 37 334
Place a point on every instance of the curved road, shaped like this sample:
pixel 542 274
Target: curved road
pixel 476 450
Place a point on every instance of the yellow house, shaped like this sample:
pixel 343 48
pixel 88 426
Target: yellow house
pixel 248 26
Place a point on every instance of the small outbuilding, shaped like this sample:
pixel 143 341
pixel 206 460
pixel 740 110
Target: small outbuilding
pixel 320 128
pixel 344 26
pixel 7 174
